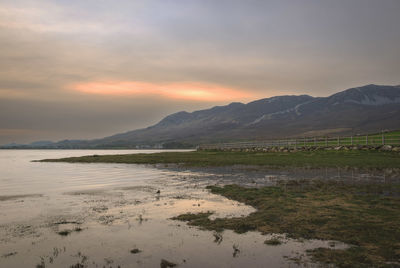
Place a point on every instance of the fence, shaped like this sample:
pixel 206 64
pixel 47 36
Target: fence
pixel 371 140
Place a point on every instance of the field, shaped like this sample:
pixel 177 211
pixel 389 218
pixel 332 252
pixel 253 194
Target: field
pixel 392 137
pixel 375 139
pixel 315 159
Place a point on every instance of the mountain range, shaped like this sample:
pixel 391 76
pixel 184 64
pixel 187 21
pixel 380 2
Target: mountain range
pixel 366 109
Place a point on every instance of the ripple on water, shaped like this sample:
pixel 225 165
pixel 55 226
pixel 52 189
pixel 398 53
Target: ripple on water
pixel 118 208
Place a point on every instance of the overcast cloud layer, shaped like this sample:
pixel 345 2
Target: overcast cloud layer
pixel 88 69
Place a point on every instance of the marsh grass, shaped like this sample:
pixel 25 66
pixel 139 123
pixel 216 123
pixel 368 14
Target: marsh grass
pixel 312 159
pixel 273 242
pixel 367 217
pixel 65 232
pixel 68 231
pixel 13 197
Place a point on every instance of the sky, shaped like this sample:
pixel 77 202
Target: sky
pixel 83 69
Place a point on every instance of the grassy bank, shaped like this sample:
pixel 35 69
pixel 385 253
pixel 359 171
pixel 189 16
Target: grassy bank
pixel 313 159
pixel 364 216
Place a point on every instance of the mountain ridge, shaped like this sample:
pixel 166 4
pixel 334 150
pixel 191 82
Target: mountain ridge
pixel 362 109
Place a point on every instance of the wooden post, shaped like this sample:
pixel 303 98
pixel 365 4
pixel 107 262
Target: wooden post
pixel 351 140
pixel 315 141
pixel 383 139
pixel 304 140
pixel 366 139
pixel 295 143
pixel 338 140
pixel 326 141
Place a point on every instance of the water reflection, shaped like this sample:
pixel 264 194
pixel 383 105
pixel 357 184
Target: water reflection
pixel 61 214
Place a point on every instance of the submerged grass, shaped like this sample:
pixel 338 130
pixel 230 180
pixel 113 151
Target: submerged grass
pixel 273 242
pixel 367 217
pixel 312 159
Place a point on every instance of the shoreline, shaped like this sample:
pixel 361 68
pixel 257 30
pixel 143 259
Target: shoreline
pixel 359 159
pixel 316 209
pixel 302 209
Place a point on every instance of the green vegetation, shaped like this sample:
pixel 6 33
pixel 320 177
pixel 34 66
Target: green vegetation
pixel 135 251
pixel 64 232
pixel 12 197
pixel 68 232
pixel 366 216
pixel 392 138
pixel 312 159
pixel 273 242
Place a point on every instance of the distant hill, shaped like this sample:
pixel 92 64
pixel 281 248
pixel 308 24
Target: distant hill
pixel 370 108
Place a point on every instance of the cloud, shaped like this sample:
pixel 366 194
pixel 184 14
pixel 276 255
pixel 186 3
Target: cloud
pixel 47 17
pixel 182 90
pixel 91 68
pixel 17 132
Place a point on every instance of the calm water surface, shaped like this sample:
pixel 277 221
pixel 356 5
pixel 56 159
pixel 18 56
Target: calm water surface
pixel 63 214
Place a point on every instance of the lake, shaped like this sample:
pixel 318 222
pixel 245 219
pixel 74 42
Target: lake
pixel 119 215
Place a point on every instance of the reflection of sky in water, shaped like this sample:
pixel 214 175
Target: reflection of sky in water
pixel 118 209
pixel 21 176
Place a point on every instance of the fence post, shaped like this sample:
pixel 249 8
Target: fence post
pixel 383 139
pixel 351 138
pixel 326 141
pixel 295 143
pixel 315 141
pixel 338 140
pixel 304 141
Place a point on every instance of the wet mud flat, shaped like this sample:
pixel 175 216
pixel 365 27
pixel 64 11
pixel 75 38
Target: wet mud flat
pixel 138 224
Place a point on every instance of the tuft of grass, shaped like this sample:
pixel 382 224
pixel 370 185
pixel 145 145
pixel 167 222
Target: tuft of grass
pixel 365 216
pixel 65 232
pixel 135 251
pixel 167 264
pixel 273 242
pixel 68 232
pixel 312 159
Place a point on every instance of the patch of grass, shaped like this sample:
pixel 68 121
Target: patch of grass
pixel 367 217
pixel 68 232
pixel 135 251
pixel 12 197
pixel 198 219
pixel 352 257
pixel 9 254
pixel 273 242
pixel 313 159
pixel 167 264
pixel 64 232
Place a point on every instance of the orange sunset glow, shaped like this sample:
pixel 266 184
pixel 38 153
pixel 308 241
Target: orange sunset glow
pixel 184 91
